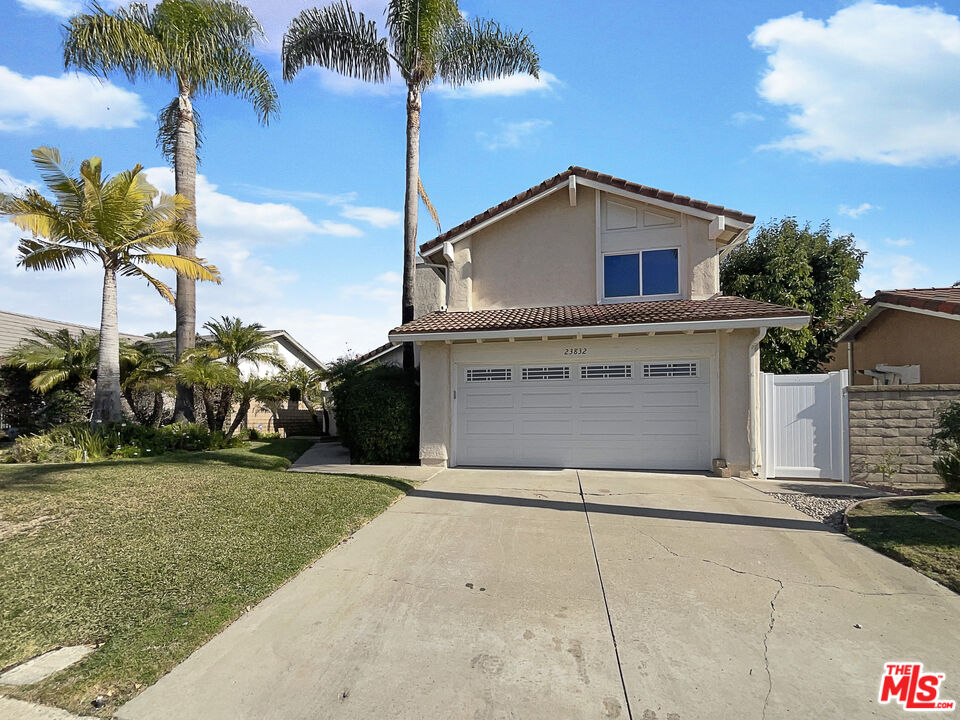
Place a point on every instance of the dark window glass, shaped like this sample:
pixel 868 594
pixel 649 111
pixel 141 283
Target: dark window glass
pixel 621 275
pixel 661 272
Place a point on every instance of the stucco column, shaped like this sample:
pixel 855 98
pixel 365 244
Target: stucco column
pixel 434 404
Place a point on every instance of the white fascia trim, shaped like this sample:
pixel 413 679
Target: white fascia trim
pixel 920 311
pixel 499 216
pixel 793 323
pixel 295 348
pixel 850 334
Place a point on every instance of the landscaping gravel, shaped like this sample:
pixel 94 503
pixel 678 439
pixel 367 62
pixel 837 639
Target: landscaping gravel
pixel 828 510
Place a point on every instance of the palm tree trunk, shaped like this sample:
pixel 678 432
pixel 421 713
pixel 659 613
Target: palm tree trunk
pixel 185 178
pixel 410 208
pixel 106 398
pixel 240 417
pixel 208 408
pixel 224 406
pixel 157 415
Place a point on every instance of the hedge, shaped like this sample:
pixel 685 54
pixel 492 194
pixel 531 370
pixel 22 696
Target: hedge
pixel 378 414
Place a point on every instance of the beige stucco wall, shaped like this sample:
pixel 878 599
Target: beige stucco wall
pixel 729 353
pixel 900 337
pixel 703 259
pixel 542 255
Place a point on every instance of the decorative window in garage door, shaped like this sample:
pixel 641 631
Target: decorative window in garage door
pixel 603 372
pixel 555 372
pixel 670 370
pixel 503 374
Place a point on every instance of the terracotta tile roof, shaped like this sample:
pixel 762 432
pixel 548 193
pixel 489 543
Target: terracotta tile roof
pixel 376 351
pixel 582 172
pixel 633 313
pixel 945 300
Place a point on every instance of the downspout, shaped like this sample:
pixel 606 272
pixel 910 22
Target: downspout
pixel 850 362
pixel 754 430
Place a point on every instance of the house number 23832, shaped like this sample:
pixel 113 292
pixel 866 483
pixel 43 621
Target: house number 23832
pixel 575 351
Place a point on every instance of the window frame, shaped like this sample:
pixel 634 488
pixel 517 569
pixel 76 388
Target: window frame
pixel 641 297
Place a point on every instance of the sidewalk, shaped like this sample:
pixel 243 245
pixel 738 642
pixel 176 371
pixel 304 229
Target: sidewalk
pixel 334 459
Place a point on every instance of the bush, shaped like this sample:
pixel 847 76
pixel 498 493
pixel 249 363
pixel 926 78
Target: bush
pixel 62 406
pixel 378 414
pixel 945 442
pixel 254 434
pixel 81 443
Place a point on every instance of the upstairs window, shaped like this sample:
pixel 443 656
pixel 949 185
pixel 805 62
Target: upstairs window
pixel 641 274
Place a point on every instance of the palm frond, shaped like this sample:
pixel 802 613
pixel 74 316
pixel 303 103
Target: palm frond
pixel 168 120
pixel 99 42
pixel 338 38
pixel 430 208
pixel 67 189
pixel 43 255
pixel 161 287
pixel 46 380
pixel 416 29
pixel 482 50
pixel 240 74
pixel 192 268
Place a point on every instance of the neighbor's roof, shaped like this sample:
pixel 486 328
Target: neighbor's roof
pixel 282 337
pixel 595 176
pixel 945 300
pixel 666 312
pixel 15 328
pixel 376 352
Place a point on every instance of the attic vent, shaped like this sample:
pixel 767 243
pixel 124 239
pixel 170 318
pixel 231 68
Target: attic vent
pixel 557 372
pixel 489 374
pixel 670 370
pixel 599 372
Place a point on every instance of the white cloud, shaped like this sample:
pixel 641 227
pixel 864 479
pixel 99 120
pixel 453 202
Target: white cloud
pixel 253 222
pixel 855 212
pixel 874 83
pixel 892 271
pixel 744 118
pixel 10 184
pixel 902 242
pixel 68 101
pixel 385 288
pixel 513 134
pixel 376 216
pixel 509 86
pixel 303 195
pixel 60 8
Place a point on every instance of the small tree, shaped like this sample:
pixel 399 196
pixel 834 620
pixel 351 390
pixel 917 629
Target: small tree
pixel 945 442
pixel 266 390
pixel 146 370
pixel 791 264
pixel 54 358
pixel 200 370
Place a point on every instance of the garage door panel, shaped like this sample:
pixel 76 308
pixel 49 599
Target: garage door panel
pixel 532 399
pixel 560 416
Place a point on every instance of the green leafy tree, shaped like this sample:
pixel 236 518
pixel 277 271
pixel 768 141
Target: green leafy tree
pixel 117 222
pixel 426 40
pixel 205 48
pixel 795 265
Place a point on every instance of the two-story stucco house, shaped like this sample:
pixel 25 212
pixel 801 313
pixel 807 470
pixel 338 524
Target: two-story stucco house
pixel 584 327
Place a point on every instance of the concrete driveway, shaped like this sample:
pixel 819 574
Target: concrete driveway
pixel 514 594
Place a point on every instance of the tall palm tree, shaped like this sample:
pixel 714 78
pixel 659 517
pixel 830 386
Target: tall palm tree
pixel 56 357
pixel 119 222
pixel 426 40
pixel 233 342
pixel 204 46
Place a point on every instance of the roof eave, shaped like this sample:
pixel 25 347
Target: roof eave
pixel 793 322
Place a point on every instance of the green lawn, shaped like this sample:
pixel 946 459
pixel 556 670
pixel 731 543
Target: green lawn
pixel 152 557
pixel 891 527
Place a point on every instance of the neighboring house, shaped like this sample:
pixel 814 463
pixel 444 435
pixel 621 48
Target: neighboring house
pixel 15 328
pixel 907 337
pixel 387 354
pixel 585 328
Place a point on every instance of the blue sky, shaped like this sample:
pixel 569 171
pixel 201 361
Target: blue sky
pixel 822 110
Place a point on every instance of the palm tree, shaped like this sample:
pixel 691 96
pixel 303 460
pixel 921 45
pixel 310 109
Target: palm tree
pixel 57 357
pixel 204 46
pixel 236 343
pixel 146 368
pixel 117 221
pixel 203 371
pixel 426 40
pixel 267 390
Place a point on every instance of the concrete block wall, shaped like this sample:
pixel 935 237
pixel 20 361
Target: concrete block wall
pixel 888 418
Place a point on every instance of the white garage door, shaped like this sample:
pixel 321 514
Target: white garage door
pixel 643 414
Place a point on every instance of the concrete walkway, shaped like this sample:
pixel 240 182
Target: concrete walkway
pixel 334 459
pixel 528 594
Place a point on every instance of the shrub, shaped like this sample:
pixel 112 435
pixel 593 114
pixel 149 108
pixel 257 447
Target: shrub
pixel 80 443
pixel 945 442
pixel 378 414
pixel 254 434
pixel 62 406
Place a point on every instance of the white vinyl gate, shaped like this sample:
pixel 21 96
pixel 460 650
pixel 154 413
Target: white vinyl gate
pixel 805 432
